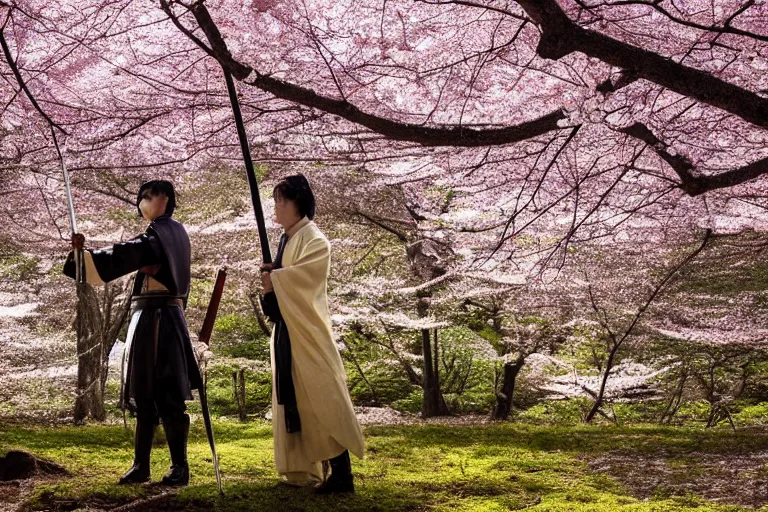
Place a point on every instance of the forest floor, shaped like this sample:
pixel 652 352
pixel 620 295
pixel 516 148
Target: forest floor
pixel 435 467
pixel 449 464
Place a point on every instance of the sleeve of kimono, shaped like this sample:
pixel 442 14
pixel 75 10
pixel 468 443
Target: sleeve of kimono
pixel 300 288
pixel 104 265
pixel 270 307
pixel 310 269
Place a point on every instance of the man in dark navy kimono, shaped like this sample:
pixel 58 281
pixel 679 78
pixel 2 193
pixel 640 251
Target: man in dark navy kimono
pixel 161 369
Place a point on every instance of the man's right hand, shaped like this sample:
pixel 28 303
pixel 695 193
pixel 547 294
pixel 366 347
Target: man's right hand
pixel 78 241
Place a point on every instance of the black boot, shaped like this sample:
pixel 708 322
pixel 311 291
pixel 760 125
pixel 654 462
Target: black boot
pixel 341 476
pixel 142 447
pixel 177 432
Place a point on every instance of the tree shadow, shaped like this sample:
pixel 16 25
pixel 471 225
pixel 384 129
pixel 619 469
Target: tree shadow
pixel 248 496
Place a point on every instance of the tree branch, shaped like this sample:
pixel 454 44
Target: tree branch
pixel 399 234
pixel 561 36
pixel 459 136
pixel 726 28
pixel 693 183
pixel 23 84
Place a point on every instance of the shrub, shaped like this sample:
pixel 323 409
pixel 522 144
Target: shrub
pixel 239 335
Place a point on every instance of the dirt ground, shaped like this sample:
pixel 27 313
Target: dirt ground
pixel 727 479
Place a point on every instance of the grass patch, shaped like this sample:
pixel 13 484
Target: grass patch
pixel 258 390
pixel 239 335
pixel 18 267
pixel 436 468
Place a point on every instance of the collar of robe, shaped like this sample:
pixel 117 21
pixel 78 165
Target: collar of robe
pixel 161 218
pixel 296 227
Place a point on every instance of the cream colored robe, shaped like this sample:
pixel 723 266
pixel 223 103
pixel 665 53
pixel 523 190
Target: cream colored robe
pixel 328 422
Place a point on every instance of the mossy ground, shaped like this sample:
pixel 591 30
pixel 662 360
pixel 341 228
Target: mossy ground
pixel 407 468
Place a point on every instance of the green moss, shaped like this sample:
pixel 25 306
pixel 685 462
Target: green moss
pixel 387 379
pixel 239 335
pixel 40 395
pixel 200 293
pixel 524 241
pixel 412 403
pixel 221 398
pixel 124 215
pixel 56 270
pixel 436 468
pixel 556 412
pixel 752 415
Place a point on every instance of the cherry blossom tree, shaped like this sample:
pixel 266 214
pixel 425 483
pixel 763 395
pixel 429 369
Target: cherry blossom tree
pixel 499 139
pixel 598 109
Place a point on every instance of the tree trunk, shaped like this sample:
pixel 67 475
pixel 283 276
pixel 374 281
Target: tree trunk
pixel 89 401
pixel 675 400
pixel 443 407
pixel 433 403
pixel 429 403
pixel 238 387
pixel 601 394
pixel 504 395
pixel 97 326
pixel 90 394
pixel 436 372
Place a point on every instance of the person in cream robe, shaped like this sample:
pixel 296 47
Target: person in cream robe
pixel 312 415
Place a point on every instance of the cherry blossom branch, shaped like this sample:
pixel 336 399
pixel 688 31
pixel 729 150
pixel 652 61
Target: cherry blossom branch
pixel 616 341
pixel 726 28
pixel 693 183
pixel 561 36
pixel 504 235
pixel 564 242
pixel 474 4
pixel 23 84
pixel 459 136
pixel 176 21
pixel 415 290
pixel 370 218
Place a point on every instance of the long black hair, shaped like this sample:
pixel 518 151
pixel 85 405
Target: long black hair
pixel 297 189
pixel 156 187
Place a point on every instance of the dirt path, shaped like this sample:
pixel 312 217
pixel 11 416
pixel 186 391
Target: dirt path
pixel 13 494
